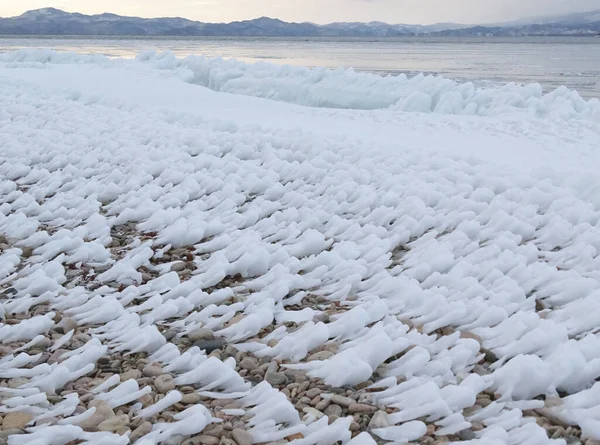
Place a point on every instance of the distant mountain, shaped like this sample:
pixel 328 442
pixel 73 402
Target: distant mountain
pixel 51 21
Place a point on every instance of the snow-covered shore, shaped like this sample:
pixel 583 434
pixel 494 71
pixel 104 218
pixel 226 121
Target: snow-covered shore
pixel 227 268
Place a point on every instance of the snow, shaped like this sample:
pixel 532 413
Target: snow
pixel 430 215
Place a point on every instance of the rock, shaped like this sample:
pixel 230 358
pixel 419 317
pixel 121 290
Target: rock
pixel 202 440
pixel 249 363
pixel 323 355
pixel 276 378
pixel 178 267
pixel 379 420
pixel 16 382
pixel 241 437
pixel 152 370
pixel 67 325
pixel 140 431
pixel 201 334
pixel 131 374
pixel 16 420
pixel 225 441
pixel 113 424
pixel 466 435
pixel 467 334
pixel 333 410
pixel 164 383
pixel 322 404
pixel 592 442
pixel 174 440
pixel 354 426
pixel 572 440
pixel 191 398
pixel 209 346
pixel 361 408
pixel 366 398
pixel 312 393
pixel 103 412
pixel 341 400
pixel 313 411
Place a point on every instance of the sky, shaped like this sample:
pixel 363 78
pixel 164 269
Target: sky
pixel 318 11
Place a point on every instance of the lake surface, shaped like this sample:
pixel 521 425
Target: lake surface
pixel 550 61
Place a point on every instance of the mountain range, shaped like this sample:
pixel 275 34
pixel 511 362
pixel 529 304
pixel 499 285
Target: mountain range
pixel 51 21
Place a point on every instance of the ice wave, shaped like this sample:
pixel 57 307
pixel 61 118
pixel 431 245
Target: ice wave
pixel 341 88
pixel 346 88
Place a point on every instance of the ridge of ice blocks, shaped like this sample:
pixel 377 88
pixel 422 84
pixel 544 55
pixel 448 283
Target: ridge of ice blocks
pixel 181 266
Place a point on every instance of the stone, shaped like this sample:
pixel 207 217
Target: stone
pixel 366 398
pixel 333 410
pixel 174 440
pixel 295 436
pixel 103 412
pixel 341 400
pixel 276 378
pixel 201 334
pixel 466 435
pixel 178 267
pixel 202 440
pixel 16 382
pixel 354 426
pixel 16 420
pixel 140 431
pixel 249 363
pixel 379 420
pixel 313 392
pixel 314 412
pixel 113 424
pixel 241 437
pixel 152 370
pixel 592 442
pixel 322 404
pixel 131 374
pixel 209 346
pixel 322 355
pixel 67 325
pixel 225 441
pixel 191 398
pixel 361 408
pixel 164 383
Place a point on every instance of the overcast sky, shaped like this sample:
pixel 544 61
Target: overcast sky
pixel 319 11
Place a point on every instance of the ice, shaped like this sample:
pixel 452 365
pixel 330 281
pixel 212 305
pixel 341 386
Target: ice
pixel 433 239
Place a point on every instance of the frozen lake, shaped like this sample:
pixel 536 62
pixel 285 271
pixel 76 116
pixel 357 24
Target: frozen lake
pixel 550 61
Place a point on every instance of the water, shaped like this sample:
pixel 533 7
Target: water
pixel 550 61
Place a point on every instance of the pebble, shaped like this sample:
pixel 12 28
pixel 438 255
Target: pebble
pixel 276 378
pixel 241 437
pixel 191 398
pixel 164 383
pixel 209 346
pixel 67 325
pixel 333 410
pixel 361 408
pixel 103 412
pixel 16 420
pixel 178 267
pixel 313 411
pixel 113 424
pixel 152 370
pixel 201 334
pixel 140 431
pixel 312 393
pixel 131 374
pixel 466 435
pixel 174 440
pixel 323 355
pixel 379 420
pixel 342 401
pixel 249 363
pixel 202 440
pixel 322 404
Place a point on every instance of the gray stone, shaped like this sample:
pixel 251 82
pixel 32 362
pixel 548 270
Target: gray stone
pixel 67 325
pixel 131 374
pixel 202 440
pixel 276 378
pixel 201 334
pixel 379 420
pixel 333 410
pixel 178 266
pixel 312 393
pixel 174 440
pixel 164 383
pixel 140 431
pixel 209 346
pixel 249 363
pixel 191 398
pixel 152 370
pixel 103 412
pixel 466 435
pixel 241 437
